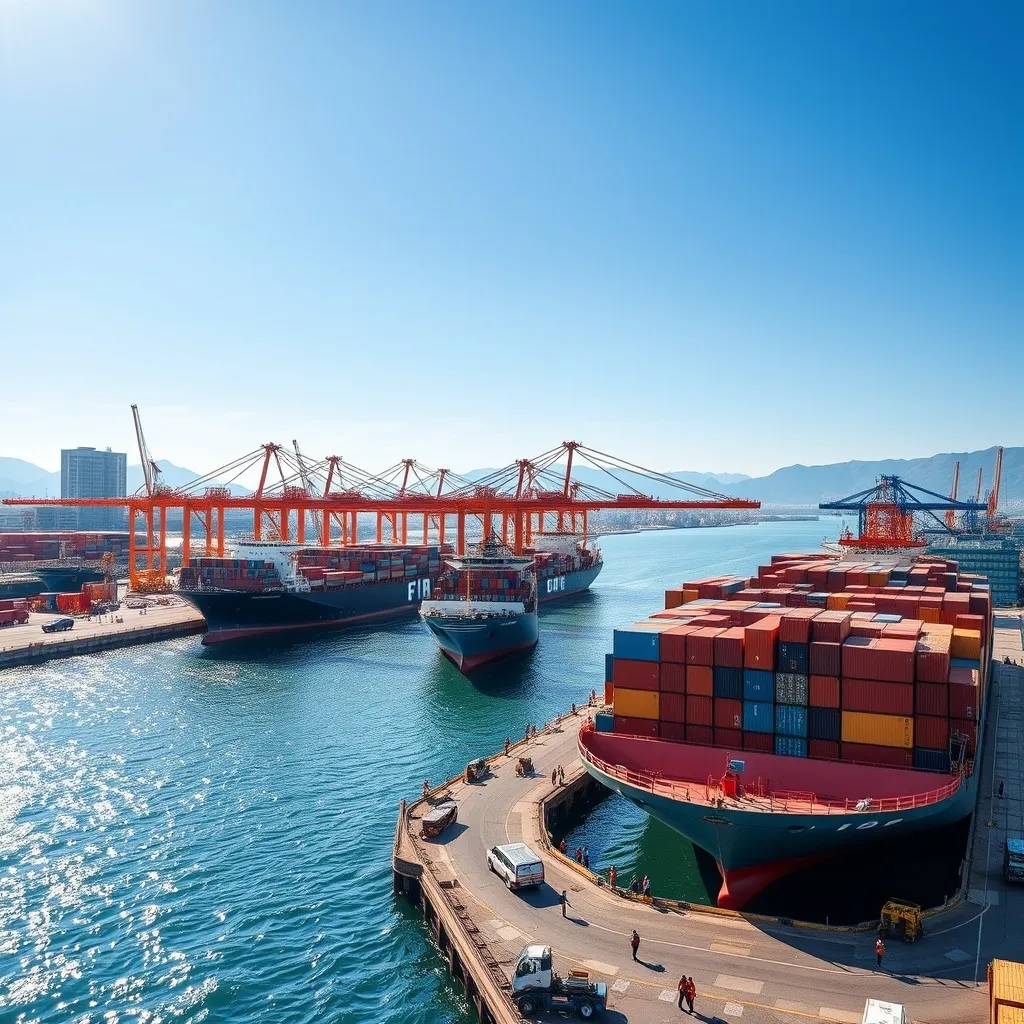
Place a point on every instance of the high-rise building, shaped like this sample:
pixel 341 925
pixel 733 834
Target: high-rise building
pixel 88 473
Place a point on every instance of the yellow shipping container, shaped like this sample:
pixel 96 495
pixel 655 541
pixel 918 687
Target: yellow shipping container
pixel 637 703
pixel 837 602
pixel 881 730
pixel 966 644
pixel 1005 992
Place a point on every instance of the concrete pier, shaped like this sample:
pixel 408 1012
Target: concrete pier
pixel 28 645
pixel 744 966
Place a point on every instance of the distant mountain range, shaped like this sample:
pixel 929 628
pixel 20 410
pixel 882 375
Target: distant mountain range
pixel 793 485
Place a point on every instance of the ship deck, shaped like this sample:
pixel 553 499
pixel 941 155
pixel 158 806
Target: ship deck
pixel 771 784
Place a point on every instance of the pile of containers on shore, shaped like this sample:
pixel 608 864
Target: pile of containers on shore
pixel 47 547
pixel 814 657
pixel 13 611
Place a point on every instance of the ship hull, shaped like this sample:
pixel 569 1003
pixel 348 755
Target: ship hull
pixel 472 642
pixel 233 615
pixel 551 588
pixel 755 848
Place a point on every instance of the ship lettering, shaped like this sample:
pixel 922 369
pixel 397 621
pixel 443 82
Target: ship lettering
pixel 419 590
pixel 869 824
pixel 557 583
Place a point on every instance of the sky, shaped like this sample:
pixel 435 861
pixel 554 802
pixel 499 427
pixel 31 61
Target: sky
pixel 721 236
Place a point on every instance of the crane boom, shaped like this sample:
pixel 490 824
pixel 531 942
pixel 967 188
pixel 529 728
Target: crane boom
pixel 150 470
pixel 993 495
pixel 951 513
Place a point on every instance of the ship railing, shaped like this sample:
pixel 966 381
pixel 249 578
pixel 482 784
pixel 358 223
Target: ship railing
pixel 779 800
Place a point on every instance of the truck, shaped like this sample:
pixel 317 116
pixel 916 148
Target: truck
pixel 535 986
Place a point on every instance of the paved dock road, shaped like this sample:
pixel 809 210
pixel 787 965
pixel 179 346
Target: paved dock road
pixel 743 971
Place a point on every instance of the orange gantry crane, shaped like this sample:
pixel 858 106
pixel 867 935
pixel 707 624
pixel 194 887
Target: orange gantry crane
pixel 321 503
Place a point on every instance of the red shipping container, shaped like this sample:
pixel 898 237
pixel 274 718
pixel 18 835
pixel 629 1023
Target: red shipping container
pixel 828 749
pixel 908 629
pixel 672 643
pixel 869 753
pixel 635 675
pixel 729 648
pixel 635 726
pixel 731 738
pixel 971 622
pixel 700 646
pixel 700 734
pixel 674 597
pixel 698 710
pixel 728 713
pixel 761 741
pixel 674 731
pixel 823 692
pixel 759 643
pixel 968 729
pixel 884 660
pixel 931 665
pixel 882 698
pixel 672 707
pixel 752 615
pixel 826 658
pixel 795 627
pixel 700 681
pixel 931 732
pixel 964 701
pixel 978 604
pixel 672 677
pixel 931 699
pixel 831 627
pixel 866 628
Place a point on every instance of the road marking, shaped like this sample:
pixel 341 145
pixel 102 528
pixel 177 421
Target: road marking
pixel 726 947
pixel 508 933
pixel 666 995
pixel 739 984
pixel 732 1010
pixel 785 1004
pixel 600 968
pixel 958 956
pixel 620 986
pixel 842 1016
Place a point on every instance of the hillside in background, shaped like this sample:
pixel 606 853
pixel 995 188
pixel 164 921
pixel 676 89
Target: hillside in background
pixel 805 485
pixel 811 484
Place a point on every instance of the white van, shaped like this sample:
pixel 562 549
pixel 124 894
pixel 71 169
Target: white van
pixel 878 1012
pixel 516 864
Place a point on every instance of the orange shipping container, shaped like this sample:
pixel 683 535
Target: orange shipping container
pixel 637 703
pixel 759 643
pixel 700 681
pixel 966 644
pixel 878 730
pixel 609 693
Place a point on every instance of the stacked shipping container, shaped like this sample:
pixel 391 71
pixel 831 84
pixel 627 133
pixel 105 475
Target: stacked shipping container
pixel 814 657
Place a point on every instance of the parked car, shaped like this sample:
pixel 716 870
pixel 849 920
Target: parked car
pixel 58 625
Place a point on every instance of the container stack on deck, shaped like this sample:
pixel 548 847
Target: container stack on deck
pixel 46 547
pixel 230 574
pixel 345 566
pixel 814 657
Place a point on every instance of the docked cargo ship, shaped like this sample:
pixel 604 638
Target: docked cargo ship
pixel 565 564
pixel 268 587
pixel 485 606
pixel 821 706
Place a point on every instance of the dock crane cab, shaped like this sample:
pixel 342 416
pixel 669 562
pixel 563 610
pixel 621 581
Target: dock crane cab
pixel 535 986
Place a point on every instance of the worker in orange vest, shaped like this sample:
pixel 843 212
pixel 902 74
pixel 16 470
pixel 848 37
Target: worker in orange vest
pixel 879 951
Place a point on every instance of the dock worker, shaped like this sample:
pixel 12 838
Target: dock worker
pixel 564 900
pixel 645 885
pixel 879 951
pixel 562 847
pixel 634 942
pixel 682 990
pixel 634 885
pixel 691 993
pixel 561 775
pixel 612 876
pixel 506 746
pixel 586 858
pixel 554 776
pixel 579 854
pixel 426 786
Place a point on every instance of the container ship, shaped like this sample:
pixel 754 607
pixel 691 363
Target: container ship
pixel 822 705
pixel 565 565
pixel 485 606
pixel 268 587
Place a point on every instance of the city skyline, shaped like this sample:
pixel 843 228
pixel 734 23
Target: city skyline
pixel 697 238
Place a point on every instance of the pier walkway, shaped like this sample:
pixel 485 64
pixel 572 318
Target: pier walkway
pixel 744 968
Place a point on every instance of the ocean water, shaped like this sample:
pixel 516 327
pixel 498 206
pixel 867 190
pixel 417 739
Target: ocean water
pixel 191 834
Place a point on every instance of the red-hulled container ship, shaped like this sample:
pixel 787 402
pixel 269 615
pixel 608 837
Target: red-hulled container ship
pixel 779 720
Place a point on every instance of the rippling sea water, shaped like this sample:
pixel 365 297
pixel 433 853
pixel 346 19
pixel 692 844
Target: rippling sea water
pixel 191 834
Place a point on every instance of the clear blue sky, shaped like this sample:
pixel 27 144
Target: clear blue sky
pixel 715 236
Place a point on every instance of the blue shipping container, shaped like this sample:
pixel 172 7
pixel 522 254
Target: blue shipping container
pixel 887 617
pixel 758 716
pixel 965 663
pixel 790 746
pixel 931 760
pixel 758 685
pixel 636 644
pixel 824 723
pixel 790 720
pixel 609 672
pixel 604 721
pixel 728 682
pixel 793 658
